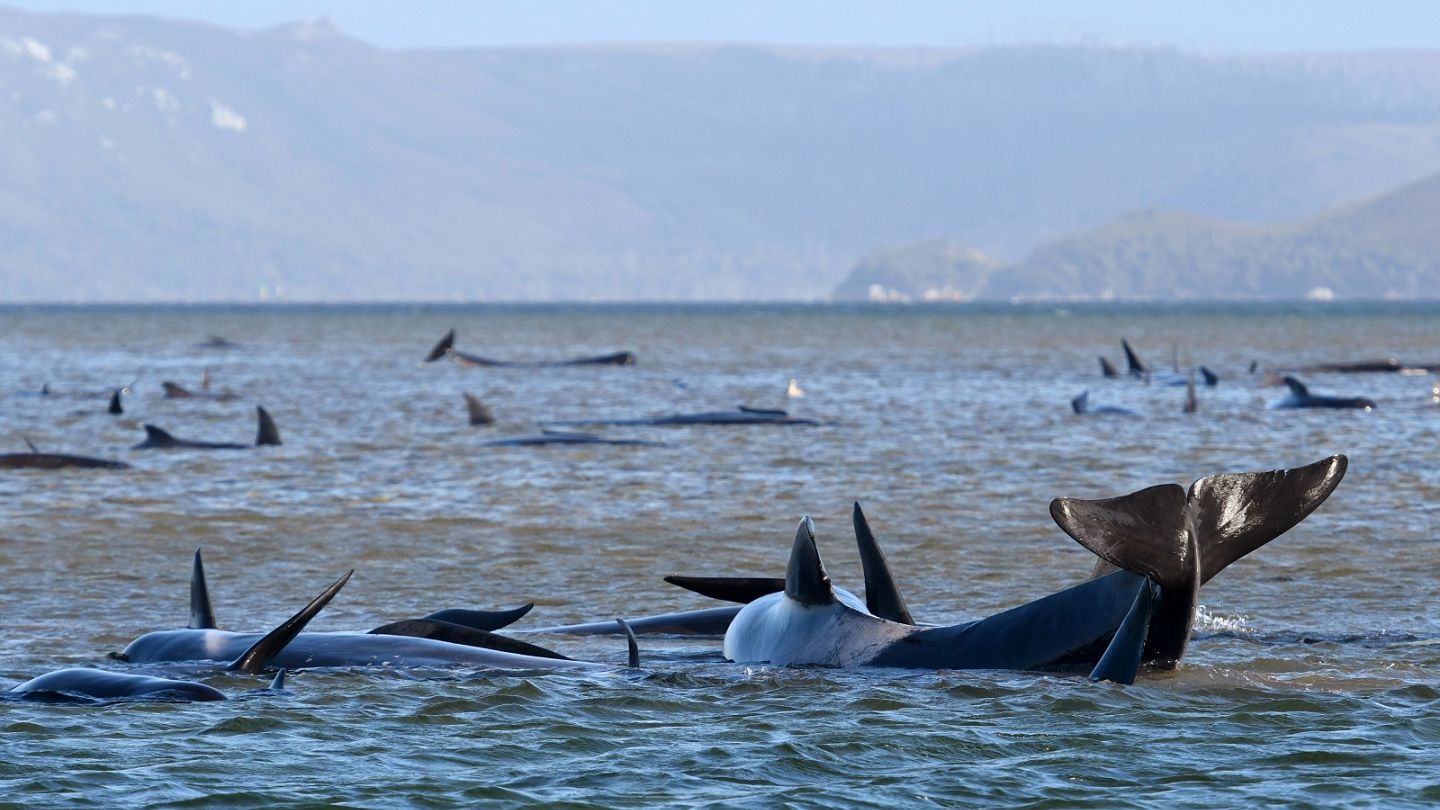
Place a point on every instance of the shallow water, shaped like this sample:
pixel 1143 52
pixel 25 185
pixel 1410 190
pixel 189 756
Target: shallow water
pixel 1309 683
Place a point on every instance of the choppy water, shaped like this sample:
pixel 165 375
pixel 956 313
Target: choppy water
pixel 1308 684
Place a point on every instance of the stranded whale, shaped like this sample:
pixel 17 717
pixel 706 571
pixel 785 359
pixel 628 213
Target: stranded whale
pixel 1300 397
pixel 445 347
pixel 99 685
pixel 266 434
pixel 740 416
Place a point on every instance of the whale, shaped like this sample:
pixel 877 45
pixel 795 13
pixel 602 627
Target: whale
pixel 36 460
pixel 1082 407
pixel 742 415
pixel 554 437
pixel 158 439
pixel 473 628
pixel 445 347
pixel 1177 538
pixel 1099 624
pixel 1135 367
pixel 428 643
pixel 476 412
pixel 1300 397
pixel 97 685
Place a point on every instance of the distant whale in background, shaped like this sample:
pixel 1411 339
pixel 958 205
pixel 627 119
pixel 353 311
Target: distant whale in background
pixel 740 416
pixel 157 439
pixel 101 685
pixel 476 412
pixel 1300 397
pixel 216 342
pixel 446 348
pixel 173 391
pixel 552 437
pixel 1136 368
pixel 1081 405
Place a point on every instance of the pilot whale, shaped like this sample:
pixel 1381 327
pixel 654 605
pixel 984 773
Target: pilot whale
pixel 742 415
pixel 37 460
pixel 552 437
pixel 429 649
pixel 86 684
pixel 445 347
pixel 1082 407
pixel 813 623
pixel 158 439
pixel 1300 397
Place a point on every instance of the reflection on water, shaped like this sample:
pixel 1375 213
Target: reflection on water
pixel 951 424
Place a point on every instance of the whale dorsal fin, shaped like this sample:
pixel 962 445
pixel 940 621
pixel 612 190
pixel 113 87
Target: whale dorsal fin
pixel 278 682
pixel 30 444
pixel 479 414
pixel 805 579
pixel 202 616
pixel 1107 369
pixel 1191 404
pixel 1081 404
pixel 1143 532
pixel 254 659
pixel 882 595
pixel 442 347
pixel 1232 515
pixel 1296 387
pixel 267 433
pixel 1132 360
pixel 115 407
pixel 155 437
pixel 1209 377
pixel 173 391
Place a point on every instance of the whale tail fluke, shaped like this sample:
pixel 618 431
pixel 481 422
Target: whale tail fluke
pixel 253 660
pixel 267 433
pixel 805 579
pixel 1143 532
pixel 442 347
pixel 882 595
pixel 1234 514
pixel 479 414
pixel 202 615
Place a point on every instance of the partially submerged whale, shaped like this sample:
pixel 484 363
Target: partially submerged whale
pixel 36 460
pixel 445 347
pixel 266 434
pixel 1081 405
pixel 740 416
pixel 1136 368
pixel 553 437
pixel 1300 397
pixel 173 391
pixel 435 641
pixel 86 684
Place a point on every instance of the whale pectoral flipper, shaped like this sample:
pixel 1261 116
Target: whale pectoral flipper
pixel 632 644
pixel 202 615
pixel 743 590
pixel 1121 660
pixel 1235 514
pixel 254 659
pixel 467 636
pixel 882 595
pixel 481 619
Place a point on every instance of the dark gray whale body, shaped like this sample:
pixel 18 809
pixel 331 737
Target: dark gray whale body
pixel 740 416
pixel 91 685
pixel 554 437
pixel 445 347
pixel 57 461
pixel 1300 397
pixel 157 439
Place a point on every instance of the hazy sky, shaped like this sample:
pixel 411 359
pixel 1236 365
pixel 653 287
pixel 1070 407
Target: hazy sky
pixel 1214 25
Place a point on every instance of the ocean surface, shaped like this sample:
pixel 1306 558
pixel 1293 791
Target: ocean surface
pixel 1313 679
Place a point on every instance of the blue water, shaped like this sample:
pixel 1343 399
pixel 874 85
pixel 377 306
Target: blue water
pixel 1310 681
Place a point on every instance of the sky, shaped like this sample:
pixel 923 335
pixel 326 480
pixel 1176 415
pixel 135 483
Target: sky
pixel 1212 26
